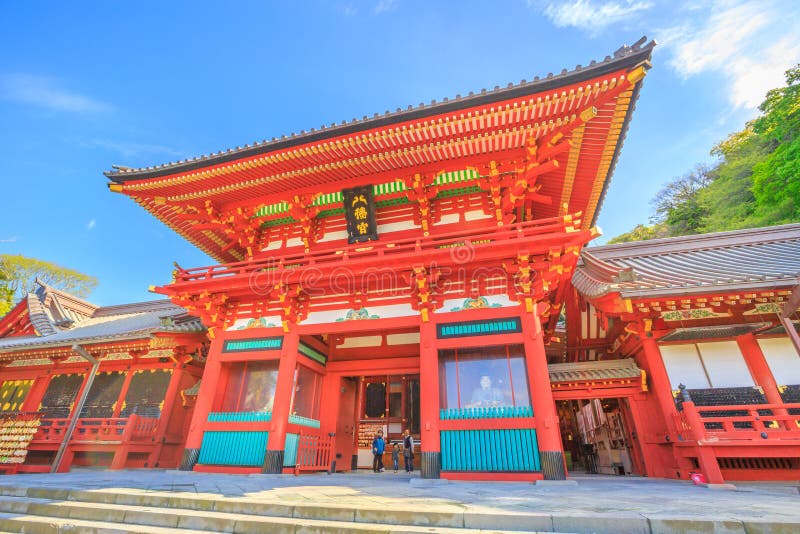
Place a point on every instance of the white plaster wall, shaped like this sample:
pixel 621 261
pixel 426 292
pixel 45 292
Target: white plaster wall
pixel 725 364
pixel 782 358
pixel 683 366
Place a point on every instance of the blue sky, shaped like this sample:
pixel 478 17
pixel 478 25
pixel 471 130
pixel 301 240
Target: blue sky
pixel 84 85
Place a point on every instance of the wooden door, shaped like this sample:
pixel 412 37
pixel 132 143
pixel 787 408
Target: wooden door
pixel 346 425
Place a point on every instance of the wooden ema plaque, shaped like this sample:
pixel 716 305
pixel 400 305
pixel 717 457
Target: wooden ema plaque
pixel 15 436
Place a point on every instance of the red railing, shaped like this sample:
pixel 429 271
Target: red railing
pixel 748 422
pixel 314 453
pixel 422 249
pixel 99 429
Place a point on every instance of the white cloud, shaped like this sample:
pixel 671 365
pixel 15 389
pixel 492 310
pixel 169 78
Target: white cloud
pixel 12 239
pixel 593 16
pixel 385 5
pixel 750 43
pixel 91 224
pixel 44 92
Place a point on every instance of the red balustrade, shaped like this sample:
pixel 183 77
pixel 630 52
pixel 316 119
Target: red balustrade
pixel 538 232
pixel 757 422
pixel 314 452
pixel 99 429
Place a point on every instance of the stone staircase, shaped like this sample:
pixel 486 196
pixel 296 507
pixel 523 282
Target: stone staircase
pixel 43 510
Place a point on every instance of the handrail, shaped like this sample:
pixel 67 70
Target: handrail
pixel 371 250
pixel 747 422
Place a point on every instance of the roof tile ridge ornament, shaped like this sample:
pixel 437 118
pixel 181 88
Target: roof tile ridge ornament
pixel 64 299
pixel 118 171
pixel 39 317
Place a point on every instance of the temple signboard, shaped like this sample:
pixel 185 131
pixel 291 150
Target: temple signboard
pixel 359 209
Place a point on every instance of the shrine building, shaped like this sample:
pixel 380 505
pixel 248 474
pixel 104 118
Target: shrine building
pixel 86 385
pixel 682 356
pixel 400 271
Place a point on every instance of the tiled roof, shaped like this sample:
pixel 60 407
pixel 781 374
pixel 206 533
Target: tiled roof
pixel 759 258
pixel 129 321
pixel 639 51
pixel 598 370
pixel 729 331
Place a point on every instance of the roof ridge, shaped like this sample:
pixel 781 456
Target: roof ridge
pixel 744 236
pixel 119 172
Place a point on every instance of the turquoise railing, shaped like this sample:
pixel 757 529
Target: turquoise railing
pixel 489 412
pixel 290 450
pixel 490 450
pixel 243 449
pixel 303 421
pixel 239 417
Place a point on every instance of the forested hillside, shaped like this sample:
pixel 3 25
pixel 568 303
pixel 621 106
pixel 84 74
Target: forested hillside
pixel 756 181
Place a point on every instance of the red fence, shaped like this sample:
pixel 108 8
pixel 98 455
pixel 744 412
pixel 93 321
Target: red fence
pixel 314 453
pixel 99 429
pixel 739 422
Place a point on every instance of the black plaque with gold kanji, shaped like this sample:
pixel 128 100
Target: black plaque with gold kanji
pixel 359 210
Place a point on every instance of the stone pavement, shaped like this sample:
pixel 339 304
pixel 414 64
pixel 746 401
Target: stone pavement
pixel 595 504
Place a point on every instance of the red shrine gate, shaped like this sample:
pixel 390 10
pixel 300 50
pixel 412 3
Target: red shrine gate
pixel 436 243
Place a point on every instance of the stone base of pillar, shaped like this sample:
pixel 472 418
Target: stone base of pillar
pixel 553 465
pixel 189 459
pixel 431 465
pixel 273 462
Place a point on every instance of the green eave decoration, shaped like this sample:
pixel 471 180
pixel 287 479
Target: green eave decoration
pixel 314 354
pixel 333 200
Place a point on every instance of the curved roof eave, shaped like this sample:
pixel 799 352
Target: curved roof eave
pixel 625 57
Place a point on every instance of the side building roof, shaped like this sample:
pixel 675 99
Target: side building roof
pixel 46 311
pixel 740 260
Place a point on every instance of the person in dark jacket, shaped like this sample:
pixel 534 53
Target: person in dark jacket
pixel 408 451
pixel 378 446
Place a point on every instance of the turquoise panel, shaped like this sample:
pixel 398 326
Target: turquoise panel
pixel 239 417
pixel 490 450
pixel 242 449
pixel 290 450
pixel 492 412
pixel 304 421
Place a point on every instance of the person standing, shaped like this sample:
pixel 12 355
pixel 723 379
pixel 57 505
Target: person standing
pixel 408 451
pixel 396 456
pixel 378 446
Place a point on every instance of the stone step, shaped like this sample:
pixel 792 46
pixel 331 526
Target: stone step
pixel 37 514
pixel 170 510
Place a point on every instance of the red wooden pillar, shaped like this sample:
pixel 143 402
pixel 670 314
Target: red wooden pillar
pixel 170 397
pixel 123 392
pixel 36 393
pixel 759 368
pixel 643 429
pixel 203 405
pixel 430 443
pixel 329 403
pixel 661 384
pixel 276 442
pixel 548 433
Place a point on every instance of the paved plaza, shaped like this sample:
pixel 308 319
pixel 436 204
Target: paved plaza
pixel 584 504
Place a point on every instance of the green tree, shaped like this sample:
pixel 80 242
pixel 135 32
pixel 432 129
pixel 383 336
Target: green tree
pixel 21 273
pixel 641 233
pixel 776 179
pixel 677 205
pixel 755 183
pixel 6 294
